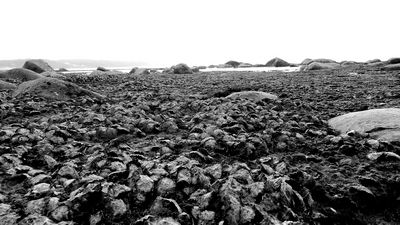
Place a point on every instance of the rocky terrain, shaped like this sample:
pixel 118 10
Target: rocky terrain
pixel 171 149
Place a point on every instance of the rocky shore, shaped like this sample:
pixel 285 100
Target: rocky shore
pixel 179 149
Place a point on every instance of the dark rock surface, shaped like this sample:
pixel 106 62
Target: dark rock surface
pixel 38 66
pixel 171 149
pixel 20 74
pixel 277 62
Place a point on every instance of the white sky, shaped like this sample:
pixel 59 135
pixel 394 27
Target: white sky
pixel 200 32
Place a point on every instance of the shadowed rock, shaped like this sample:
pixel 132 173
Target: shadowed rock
pixel 7 86
pixel 20 73
pixel 38 66
pixel 53 88
pixel 394 60
pixel 182 69
pixel 392 67
pixel 141 71
pixel 381 124
pixel 245 65
pixel 253 95
pixel 277 62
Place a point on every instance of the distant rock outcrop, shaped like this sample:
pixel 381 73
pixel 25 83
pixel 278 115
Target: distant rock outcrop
pixel 234 64
pixel 245 65
pixel 62 70
pixel 7 86
pixel 306 61
pixel 321 60
pixel 102 69
pixel 181 68
pixel 20 73
pixel 277 62
pixel 373 61
pixel 133 70
pixel 224 66
pixel 38 66
pixel 53 88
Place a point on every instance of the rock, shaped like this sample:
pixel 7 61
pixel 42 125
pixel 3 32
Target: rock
pixel 181 69
pixel 165 221
pixel 202 67
pixel 211 66
pixel 100 73
pixel 118 207
pixel 380 124
pixel 60 213
pixel 165 207
pixel 321 61
pixel 321 66
pixel 233 64
pixel 7 86
pixel 214 171
pixel 221 66
pixel 20 73
pixel 277 62
pixel 145 184
pixel 7 217
pixel 41 188
pixel 168 71
pixel 35 206
pixel 362 194
pixel 68 171
pixel 383 156
pixel 348 63
pixel 141 71
pixel 245 65
pixel 102 69
pixel 392 67
pixel 52 74
pixel 394 60
pixel 373 61
pixel 53 88
pixel 247 215
pixel 36 219
pixel 133 70
pixel 253 95
pixel 195 69
pixel 165 187
pixel 207 217
pixel 62 70
pixel 38 66
pixel 306 61
pixel 376 64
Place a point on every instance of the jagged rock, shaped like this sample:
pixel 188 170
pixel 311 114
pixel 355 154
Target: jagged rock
pixel 380 124
pixel 41 188
pixel 277 62
pixel 118 207
pixel 253 95
pixel 7 86
pixel 145 184
pixel 38 66
pixel 207 217
pixel 214 171
pixel 20 73
pixel 53 89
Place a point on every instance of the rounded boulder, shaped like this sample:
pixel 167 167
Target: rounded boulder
pixel 252 95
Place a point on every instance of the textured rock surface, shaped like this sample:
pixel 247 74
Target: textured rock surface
pixel 38 66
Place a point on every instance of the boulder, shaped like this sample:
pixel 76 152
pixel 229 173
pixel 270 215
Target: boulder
pixel 211 66
pixel 234 64
pixel 141 71
pixel 392 67
pixel 102 69
pixel 259 65
pixel 7 86
pixel 133 70
pixel 53 88
pixel 277 62
pixel 62 70
pixel 20 73
pixel 306 61
pixel 38 66
pixel 181 69
pixel 348 63
pixel 253 95
pixel 168 71
pixel 245 65
pixel 376 64
pixel 373 61
pixel 394 60
pixel 380 124
pixel 195 69
pixel 321 60
pixel 202 67
pixel 321 66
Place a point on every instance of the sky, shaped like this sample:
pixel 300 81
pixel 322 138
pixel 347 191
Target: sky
pixel 198 32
